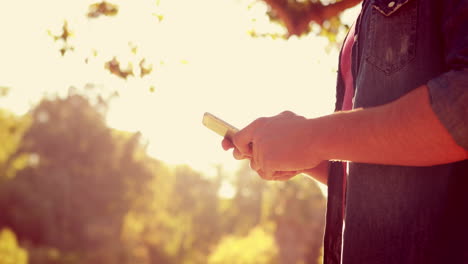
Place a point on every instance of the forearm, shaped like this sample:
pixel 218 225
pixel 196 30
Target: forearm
pixel 404 132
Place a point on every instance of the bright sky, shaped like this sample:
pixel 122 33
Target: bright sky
pixel 210 64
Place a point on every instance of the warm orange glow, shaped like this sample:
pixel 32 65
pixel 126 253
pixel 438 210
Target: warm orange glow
pixel 86 190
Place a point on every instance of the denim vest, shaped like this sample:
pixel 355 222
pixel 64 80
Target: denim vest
pixel 399 214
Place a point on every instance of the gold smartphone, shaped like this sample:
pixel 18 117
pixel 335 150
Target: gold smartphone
pixel 219 126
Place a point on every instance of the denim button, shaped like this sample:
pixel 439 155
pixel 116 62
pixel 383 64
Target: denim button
pixel 391 4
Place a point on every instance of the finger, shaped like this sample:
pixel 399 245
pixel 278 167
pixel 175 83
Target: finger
pixel 261 174
pixel 277 175
pixel 249 155
pixel 227 144
pixel 258 160
pixel 255 155
pixel 244 138
pixel 268 174
pixel 287 113
pixel 265 176
pixel 284 175
pixel 267 169
pixel 283 178
pixel 253 165
pixel 237 154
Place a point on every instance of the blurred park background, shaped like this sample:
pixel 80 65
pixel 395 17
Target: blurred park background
pixel 103 158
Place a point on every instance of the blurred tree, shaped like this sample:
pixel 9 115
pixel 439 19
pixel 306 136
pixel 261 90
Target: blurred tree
pixel 85 193
pixel 188 227
pixel 298 209
pixel 247 202
pixel 257 247
pixel 12 129
pixel 84 179
pixel 195 200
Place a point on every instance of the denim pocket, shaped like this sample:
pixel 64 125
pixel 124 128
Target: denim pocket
pixel 392 34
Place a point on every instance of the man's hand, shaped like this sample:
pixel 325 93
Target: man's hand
pixel 276 146
pixel 278 175
pixel 405 132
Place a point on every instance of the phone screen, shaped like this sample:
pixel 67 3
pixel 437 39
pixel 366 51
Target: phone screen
pixel 219 126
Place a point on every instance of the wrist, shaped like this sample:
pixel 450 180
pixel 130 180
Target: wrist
pixel 330 135
pixel 321 137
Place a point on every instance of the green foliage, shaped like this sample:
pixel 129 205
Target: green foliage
pixel 258 247
pixel 48 255
pixel 248 202
pixel 186 225
pixel 298 209
pixel 86 179
pixel 10 251
pixel 86 193
pixel 12 129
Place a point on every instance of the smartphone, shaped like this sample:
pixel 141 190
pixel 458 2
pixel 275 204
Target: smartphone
pixel 219 126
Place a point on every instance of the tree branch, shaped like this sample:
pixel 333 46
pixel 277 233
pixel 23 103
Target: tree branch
pixel 298 15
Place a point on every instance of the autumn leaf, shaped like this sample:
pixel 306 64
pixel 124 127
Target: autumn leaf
pixel 102 9
pixel 114 67
pixel 145 69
